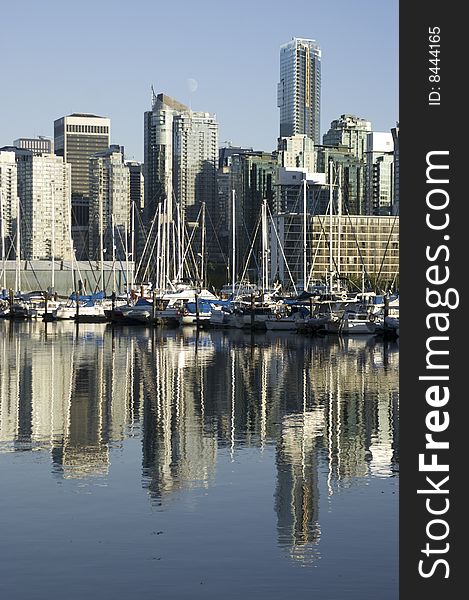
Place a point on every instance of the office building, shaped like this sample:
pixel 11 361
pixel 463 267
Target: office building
pixel 77 137
pixel 299 89
pixel 39 145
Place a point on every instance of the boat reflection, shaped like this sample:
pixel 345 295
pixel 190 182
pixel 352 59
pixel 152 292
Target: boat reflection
pixel 327 409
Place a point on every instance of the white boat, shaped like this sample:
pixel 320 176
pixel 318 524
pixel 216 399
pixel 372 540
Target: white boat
pixel 360 322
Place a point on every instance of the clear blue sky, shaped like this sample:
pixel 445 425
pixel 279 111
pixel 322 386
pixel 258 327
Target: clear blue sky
pixel 102 56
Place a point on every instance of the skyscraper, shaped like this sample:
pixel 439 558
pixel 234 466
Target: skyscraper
pixel 44 191
pixel 8 202
pixel 158 152
pixel 181 158
pixel 195 160
pixel 77 137
pixel 109 204
pixel 299 89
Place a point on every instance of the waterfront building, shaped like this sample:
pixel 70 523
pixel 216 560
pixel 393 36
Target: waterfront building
pixel 299 89
pixel 379 173
pixel 364 249
pixel 39 145
pixel 8 202
pixel 45 199
pixel 77 137
pixel 109 222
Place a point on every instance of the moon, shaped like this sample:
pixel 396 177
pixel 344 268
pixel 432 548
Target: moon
pixel 192 84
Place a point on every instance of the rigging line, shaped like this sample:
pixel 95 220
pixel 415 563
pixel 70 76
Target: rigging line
pixel 148 237
pixel 251 250
pixel 225 261
pixel 358 246
pixel 385 251
pixel 251 241
pixel 147 268
pixel 281 249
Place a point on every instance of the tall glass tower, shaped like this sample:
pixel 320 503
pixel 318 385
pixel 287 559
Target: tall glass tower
pixel 299 89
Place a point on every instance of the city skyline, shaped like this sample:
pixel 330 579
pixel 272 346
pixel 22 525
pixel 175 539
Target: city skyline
pixel 206 67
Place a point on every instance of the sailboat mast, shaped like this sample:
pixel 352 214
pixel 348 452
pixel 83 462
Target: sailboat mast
pixel 2 234
pixel 18 246
pixel 132 248
pixel 265 250
pixel 52 235
pixel 331 263
pixel 180 275
pixel 305 271
pixel 101 238
pixel 339 218
pixel 233 241
pixel 113 255
pixel 202 270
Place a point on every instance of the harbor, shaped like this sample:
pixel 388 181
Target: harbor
pixel 130 454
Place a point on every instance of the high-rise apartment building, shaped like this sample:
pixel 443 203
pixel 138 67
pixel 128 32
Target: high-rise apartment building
pixel 158 152
pixel 109 205
pixel 379 173
pixel 181 158
pixel 195 160
pixel 8 202
pixel 350 132
pixel 77 137
pixel 44 192
pixel 299 89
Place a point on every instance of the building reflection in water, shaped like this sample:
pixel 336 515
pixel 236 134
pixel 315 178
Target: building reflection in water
pixel 327 409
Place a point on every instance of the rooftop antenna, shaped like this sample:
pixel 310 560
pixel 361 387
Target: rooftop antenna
pixel 153 96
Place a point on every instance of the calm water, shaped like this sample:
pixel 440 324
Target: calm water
pixel 225 466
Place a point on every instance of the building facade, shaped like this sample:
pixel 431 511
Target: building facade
pixel 45 200
pixel 350 132
pixel 396 198
pixel 195 159
pixel 379 173
pixel 299 89
pixel 109 222
pixel 364 248
pixel 158 152
pixel 77 137
pixel 38 145
pixel 8 203
pixel 296 152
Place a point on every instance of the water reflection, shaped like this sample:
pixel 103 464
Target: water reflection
pixel 326 408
